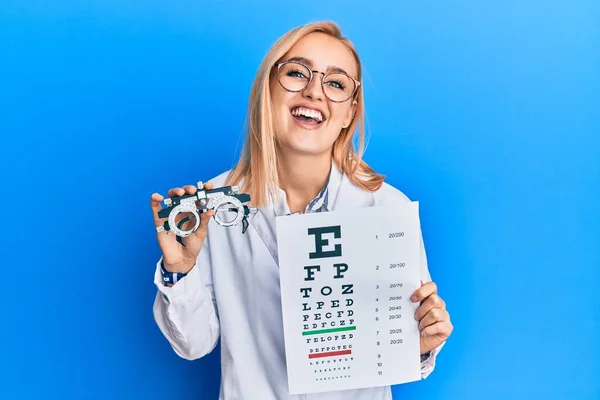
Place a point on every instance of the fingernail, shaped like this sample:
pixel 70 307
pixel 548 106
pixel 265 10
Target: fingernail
pixel 413 299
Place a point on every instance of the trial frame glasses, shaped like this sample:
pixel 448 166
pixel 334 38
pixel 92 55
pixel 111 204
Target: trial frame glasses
pixel 312 72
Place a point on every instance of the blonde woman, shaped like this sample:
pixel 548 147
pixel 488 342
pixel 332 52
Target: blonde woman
pixel 305 106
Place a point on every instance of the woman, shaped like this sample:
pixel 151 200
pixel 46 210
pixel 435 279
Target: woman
pixel 298 157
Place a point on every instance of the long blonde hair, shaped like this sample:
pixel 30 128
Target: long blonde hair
pixel 256 169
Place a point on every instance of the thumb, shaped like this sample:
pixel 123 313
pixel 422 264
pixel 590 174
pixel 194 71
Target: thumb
pixel 204 219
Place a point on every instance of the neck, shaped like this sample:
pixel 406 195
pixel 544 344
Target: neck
pixel 302 177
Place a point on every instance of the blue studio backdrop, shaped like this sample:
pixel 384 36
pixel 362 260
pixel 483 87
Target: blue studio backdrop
pixel 485 112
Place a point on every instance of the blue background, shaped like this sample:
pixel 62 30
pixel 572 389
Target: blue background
pixel 485 112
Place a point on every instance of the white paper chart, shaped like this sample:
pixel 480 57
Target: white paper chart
pixel 346 281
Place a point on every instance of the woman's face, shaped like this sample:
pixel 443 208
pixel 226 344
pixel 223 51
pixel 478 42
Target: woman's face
pixel 307 121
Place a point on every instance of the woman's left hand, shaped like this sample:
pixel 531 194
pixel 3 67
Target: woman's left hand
pixel 434 319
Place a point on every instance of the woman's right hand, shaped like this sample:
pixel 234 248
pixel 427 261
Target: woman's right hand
pixel 178 258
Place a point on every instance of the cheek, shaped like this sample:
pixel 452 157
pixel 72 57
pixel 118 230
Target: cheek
pixel 284 124
pixel 281 114
pixel 338 115
pixel 280 98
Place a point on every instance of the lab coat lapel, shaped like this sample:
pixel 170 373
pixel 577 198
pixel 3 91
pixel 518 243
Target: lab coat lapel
pixel 264 224
pixel 351 197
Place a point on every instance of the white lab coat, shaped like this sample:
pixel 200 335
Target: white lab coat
pixel 232 294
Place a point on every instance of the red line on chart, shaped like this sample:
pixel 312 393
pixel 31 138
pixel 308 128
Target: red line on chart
pixel 330 354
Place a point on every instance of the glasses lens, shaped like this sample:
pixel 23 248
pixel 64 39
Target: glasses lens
pixel 293 76
pixel 226 213
pixel 338 87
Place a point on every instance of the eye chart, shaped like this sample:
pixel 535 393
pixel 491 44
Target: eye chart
pixel 346 281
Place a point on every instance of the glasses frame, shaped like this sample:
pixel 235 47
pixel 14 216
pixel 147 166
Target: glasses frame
pixel 278 65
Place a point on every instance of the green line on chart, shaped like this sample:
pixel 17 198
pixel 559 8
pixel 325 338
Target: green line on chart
pixel 346 328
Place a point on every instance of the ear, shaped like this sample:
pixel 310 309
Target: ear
pixel 350 114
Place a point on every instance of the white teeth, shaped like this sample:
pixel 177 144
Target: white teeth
pixel 308 113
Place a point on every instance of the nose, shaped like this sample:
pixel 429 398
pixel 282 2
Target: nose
pixel 314 90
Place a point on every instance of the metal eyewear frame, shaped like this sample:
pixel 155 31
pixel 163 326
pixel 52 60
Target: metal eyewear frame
pixel 312 72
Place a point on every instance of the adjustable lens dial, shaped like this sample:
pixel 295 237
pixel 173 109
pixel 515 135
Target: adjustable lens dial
pixel 226 205
pixel 183 208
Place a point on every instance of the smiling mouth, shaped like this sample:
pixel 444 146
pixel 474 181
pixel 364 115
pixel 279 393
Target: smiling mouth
pixel 307 115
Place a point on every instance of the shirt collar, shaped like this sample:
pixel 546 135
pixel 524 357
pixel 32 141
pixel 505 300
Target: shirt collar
pixel 322 202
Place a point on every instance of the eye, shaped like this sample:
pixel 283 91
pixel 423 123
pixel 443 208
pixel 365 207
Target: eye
pixel 337 84
pixel 296 73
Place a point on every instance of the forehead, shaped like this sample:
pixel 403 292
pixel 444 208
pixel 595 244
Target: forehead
pixel 324 52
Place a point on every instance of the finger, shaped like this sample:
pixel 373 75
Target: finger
pixel 433 316
pixel 155 200
pixel 176 192
pixel 208 186
pixel 423 292
pixel 433 301
pixel 205 217
pixel 190 189
pixel 439 328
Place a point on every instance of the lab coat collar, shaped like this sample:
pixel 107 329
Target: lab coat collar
pixel 343 194
pixel 324 199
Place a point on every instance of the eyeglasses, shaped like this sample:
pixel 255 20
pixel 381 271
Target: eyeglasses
pixel 294 76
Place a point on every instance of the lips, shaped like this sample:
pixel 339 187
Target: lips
pixel 308 115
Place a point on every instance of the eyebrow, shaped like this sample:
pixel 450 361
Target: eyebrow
pixel 330 68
